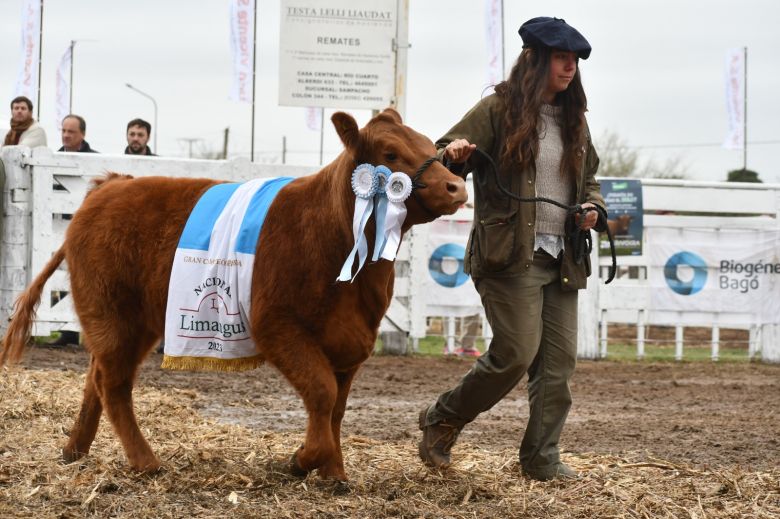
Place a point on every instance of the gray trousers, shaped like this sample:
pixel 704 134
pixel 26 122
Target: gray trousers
pixel 534 327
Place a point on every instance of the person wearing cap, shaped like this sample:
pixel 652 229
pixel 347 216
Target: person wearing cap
pixel 519 257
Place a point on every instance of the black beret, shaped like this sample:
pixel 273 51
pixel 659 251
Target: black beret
pixel 544 31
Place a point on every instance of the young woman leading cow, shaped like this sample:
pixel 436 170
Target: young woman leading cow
pixel 519 257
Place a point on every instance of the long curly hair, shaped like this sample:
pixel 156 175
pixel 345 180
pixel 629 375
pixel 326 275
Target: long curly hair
pixel 523 92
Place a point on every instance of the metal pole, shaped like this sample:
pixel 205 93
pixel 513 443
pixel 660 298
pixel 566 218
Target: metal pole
pixel 503 62
pixel 70 86
pixel 284 149
pixel 254 61
pixel 322 130
pixel 744 119
pixel 40 56
pixel 225 144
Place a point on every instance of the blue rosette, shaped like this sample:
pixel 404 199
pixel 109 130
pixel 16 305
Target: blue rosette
pixel 382 174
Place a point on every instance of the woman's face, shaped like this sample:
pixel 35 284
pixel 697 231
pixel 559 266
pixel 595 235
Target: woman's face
pixel 563 65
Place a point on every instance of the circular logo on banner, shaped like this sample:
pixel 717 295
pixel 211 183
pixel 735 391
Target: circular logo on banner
pixel 685 261
pixel 446 265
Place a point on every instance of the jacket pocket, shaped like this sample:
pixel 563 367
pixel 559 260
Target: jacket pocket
pixel 496 241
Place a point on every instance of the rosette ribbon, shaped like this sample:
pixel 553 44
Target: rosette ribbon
pixel 398 189
pixel 380 210
pixel 364 184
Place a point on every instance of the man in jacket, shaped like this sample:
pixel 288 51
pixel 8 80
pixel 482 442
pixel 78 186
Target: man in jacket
pixel 25 131
pixel 138 133
pixel 74 129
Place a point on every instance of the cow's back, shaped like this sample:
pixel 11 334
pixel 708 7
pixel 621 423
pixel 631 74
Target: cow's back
pixel 122 240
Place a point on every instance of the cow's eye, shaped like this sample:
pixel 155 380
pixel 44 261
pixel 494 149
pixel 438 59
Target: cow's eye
pixel 390 156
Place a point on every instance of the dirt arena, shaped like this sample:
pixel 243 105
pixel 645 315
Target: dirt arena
pixel 652 440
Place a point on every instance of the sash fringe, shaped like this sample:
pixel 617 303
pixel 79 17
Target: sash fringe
pixel 211 364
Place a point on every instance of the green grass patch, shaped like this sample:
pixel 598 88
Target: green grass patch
pixel 434 345
pixel 665 352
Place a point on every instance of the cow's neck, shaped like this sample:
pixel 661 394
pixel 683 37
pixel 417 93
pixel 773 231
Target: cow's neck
pixel 334 182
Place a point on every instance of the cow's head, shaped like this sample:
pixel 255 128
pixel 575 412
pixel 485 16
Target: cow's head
pixel 387 141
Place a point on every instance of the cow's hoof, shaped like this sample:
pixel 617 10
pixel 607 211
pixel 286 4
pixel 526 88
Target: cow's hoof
pixel 147 467
pixel 71 454
pixel 296 469
pixel 341 487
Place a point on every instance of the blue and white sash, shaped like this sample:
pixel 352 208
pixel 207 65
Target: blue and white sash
pixel 207 317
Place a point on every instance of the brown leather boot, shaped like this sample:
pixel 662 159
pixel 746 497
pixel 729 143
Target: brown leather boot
pixel 437 441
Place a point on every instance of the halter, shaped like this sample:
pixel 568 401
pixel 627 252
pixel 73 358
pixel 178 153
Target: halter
pixel 417 184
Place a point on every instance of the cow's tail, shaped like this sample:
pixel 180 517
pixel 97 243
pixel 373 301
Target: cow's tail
pixel 19 330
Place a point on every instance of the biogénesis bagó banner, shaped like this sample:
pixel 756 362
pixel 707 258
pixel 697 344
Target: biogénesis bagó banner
pixel 716 271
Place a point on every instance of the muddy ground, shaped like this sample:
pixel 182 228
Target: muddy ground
pixel 709 415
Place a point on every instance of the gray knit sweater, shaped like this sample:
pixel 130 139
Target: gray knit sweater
pixel 550 183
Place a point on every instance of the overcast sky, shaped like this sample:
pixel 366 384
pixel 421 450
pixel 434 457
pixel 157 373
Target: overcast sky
pixel 655 77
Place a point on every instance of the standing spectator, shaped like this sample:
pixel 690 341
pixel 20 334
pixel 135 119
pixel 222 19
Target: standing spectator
pixel 74 128
pixel 138 133
pixel 25 131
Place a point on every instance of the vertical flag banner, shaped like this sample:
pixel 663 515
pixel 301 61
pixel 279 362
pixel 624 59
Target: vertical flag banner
pixel 735 99
pixel 242 49
pixel 313 118
pixel 27 79
pixel 62 103
pixel 494 37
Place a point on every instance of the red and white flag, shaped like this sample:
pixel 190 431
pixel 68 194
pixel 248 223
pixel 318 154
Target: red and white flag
pixel 62 103
pixel 242 49
pixel 27 79
pixel 735 99
pixel 494 38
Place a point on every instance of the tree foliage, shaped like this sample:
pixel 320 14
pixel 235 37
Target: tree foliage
pixel 618 159
pixel 743 175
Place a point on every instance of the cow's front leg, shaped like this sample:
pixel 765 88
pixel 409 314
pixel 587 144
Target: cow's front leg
pixel 311 374
pixel 334 469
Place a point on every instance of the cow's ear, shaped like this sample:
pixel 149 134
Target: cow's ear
pixel 393 114
pixel 347 129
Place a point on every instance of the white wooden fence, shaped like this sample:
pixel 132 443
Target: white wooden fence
pixel 39 187
pixel 680 204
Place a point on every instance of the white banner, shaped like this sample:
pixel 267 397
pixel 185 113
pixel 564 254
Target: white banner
pixel 242 49
pixel 494 36
pixel 27 78
pixel 732 271
pixel 735 99
pixel 62 103
pixel 313 118
pixel 337 53
pixel 448 290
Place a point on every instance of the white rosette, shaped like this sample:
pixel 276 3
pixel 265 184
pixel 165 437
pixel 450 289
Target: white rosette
pixel 364 185
pixel 398 189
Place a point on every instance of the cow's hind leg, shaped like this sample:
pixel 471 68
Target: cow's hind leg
pixel 83 431
pixel 334 469
pixel 118 359
pixel 311 374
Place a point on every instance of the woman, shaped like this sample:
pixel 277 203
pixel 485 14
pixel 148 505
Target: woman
pixel 522 264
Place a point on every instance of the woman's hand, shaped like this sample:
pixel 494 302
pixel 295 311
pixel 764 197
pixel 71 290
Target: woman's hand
pixel 459 150
pixel 588 219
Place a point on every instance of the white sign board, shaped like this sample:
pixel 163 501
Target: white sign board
pixel 447 289
pixel 715 271
pixel 337 53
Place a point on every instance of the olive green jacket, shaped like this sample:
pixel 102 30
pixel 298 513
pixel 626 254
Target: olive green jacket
pixel 502 237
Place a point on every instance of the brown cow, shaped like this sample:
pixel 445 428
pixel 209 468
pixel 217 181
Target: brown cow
pixel 316 332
